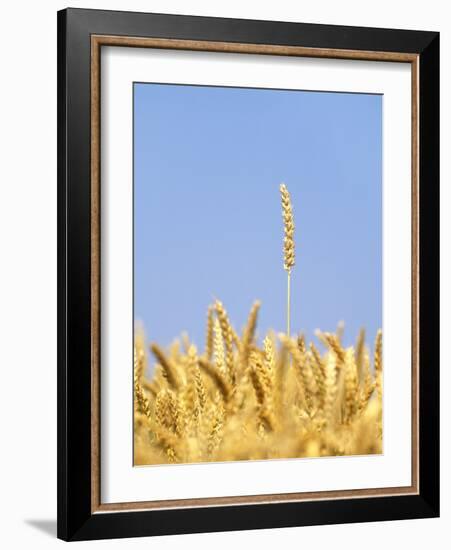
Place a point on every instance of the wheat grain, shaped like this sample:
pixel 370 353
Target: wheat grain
pixel 288 245
pixel 209 338
pixel 218 347
pixel 249 331
pixel 142 401
pixel 331 386
pixel 304 368
pixel 169 369
pixel 221 383
pixel 378 362
pixel 270 356
pixel 359 354
pixel 334 343
pixel 288 222
pixel 226 330
pixel 351 385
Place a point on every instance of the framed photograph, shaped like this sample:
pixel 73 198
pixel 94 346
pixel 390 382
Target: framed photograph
pixel 248 274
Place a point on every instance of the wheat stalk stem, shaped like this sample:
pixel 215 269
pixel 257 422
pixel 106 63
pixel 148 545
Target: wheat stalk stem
pixel 289 303
pixel 288 244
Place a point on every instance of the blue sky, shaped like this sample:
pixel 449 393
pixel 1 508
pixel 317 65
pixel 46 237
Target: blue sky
pixel 208 162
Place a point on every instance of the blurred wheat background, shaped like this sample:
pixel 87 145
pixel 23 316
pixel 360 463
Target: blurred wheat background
pixel 239 401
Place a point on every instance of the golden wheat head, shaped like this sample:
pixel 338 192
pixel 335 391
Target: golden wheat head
pixel 288 222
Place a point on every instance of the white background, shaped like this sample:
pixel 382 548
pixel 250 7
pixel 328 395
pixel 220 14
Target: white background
pixel 28 271
pixel 120 482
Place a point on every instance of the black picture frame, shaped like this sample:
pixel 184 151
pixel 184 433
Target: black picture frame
pixel 76 519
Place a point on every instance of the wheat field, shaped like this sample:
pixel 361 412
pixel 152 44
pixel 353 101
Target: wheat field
pixel 239 399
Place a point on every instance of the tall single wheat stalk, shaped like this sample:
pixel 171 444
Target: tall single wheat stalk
pixel 288 244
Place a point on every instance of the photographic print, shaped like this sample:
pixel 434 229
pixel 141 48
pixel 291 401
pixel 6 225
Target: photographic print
pixel 257 274
pixel 248 274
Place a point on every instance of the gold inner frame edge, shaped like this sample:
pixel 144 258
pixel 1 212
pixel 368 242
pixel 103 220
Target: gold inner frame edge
pixel 97 41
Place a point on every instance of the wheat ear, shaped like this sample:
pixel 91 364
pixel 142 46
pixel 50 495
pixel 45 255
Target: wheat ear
pixel 351 385
pixel 262 381
pixel 288 244
pixel 209 335
pixel 360 353
pixel 249 332
pixel 221 383
pixel 168 367
pixel 378 362
pixel 270 356
pixel 334 344
pixel 141 400
pixel 331 387
pixel 227 336
pixel 305 371
pixel 218 348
